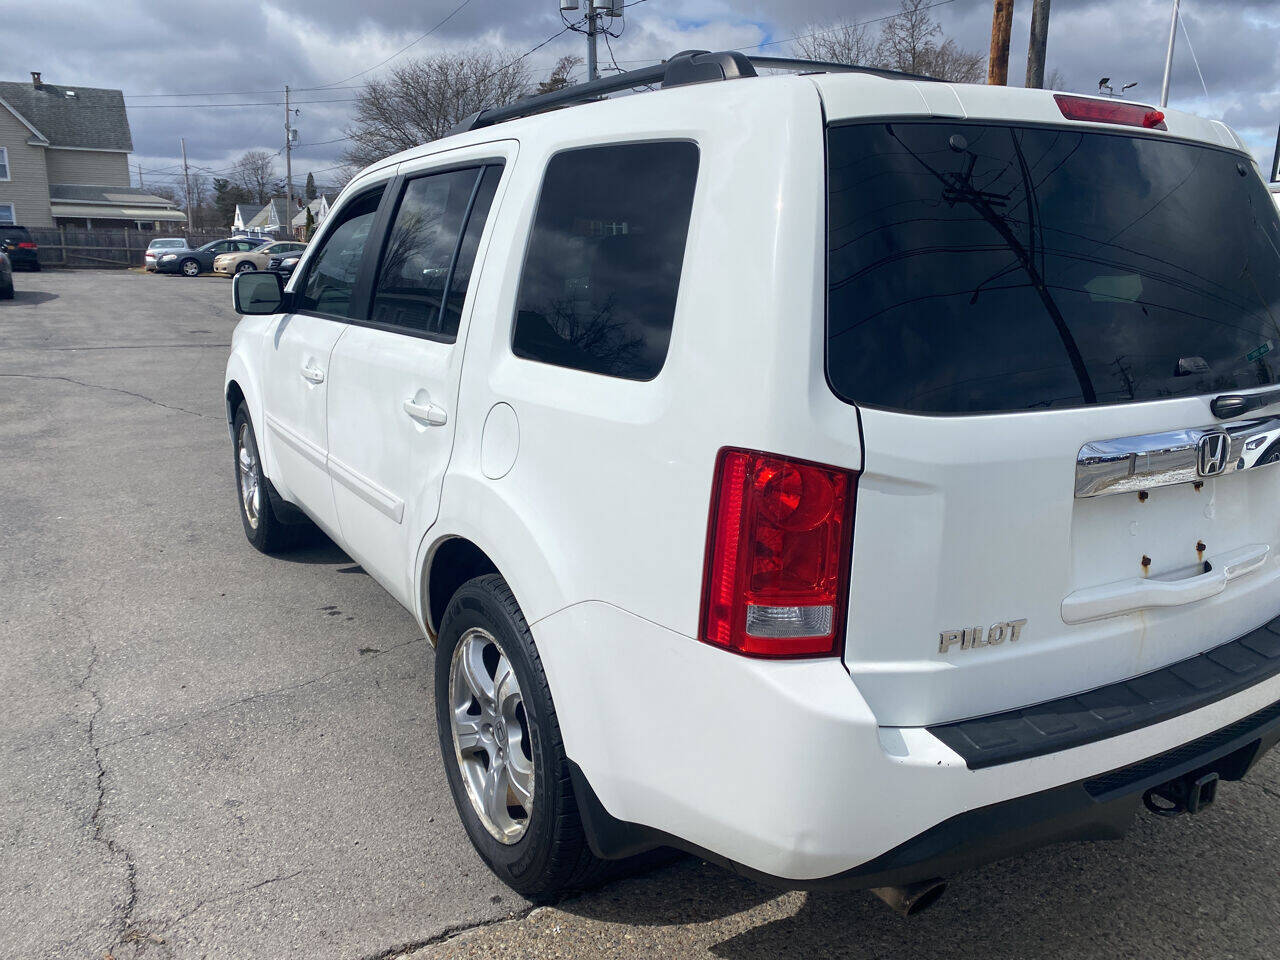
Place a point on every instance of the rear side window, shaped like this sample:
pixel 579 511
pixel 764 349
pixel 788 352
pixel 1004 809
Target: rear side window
pixel 424 273
pixel 332 275
pixel 987 268
pixel 598 290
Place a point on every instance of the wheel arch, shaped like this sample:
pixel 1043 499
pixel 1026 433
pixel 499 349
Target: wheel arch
pixel 471 539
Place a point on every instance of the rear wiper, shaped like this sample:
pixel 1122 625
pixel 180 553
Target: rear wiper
pixel 1231 405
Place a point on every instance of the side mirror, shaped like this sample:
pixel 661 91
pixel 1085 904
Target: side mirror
pixel 258 292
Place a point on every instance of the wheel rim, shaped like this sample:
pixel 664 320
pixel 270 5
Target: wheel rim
pixel 492 742
pixel 243 267
pixel 247 465
pixel 191 268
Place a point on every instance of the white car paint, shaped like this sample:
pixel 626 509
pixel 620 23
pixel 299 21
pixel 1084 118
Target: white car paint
pixel 591 496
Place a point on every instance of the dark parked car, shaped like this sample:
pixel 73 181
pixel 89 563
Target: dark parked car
pixel 192 263
pixel 284 263
pixel 6 277
pixel 17 243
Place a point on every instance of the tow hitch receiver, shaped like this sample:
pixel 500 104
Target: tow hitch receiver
pixel 1189 794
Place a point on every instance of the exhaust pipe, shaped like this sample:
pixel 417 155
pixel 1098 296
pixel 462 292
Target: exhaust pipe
pixel 912 898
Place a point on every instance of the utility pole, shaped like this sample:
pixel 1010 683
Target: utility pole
pixel 1039 40
pixel 593 27
pixel 288 167
pixel 1001 27
pixel 1168 57
pixel 1275 159
pixel 186 180
pixel 140 183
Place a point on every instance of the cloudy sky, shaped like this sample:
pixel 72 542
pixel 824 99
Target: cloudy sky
pixel 241 52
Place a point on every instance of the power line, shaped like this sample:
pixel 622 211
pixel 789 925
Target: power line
pixel 257 103
pixel 456 10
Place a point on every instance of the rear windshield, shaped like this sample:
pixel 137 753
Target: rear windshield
pixel 166 244
pixel 985 268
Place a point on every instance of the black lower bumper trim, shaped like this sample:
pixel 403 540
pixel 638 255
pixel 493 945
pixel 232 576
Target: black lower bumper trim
pixel 1097 808
pixel 1118 707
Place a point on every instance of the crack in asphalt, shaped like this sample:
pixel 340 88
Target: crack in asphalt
pixel 448 933
pixel 231 893
pixel 99 386
pixel 365 659
pixel 100 835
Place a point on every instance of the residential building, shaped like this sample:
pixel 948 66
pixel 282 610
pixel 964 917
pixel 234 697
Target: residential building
pixel 319 208
pixel 271 219
pixel 64 160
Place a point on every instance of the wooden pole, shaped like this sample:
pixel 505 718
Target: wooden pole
pixel 1001 28
pixel 1039 40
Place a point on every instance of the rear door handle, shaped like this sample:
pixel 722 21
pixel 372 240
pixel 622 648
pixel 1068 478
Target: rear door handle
pixel 1141 593
pixel 312 373
pixel 429 413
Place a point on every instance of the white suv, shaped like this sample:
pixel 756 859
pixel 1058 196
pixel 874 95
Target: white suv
pixel 848 477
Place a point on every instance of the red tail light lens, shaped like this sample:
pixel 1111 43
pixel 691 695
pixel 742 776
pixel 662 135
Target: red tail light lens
pixel 778 552
pixel 26 245
pixel 1110 111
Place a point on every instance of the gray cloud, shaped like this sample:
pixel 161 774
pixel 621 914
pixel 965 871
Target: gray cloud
pixel 255 47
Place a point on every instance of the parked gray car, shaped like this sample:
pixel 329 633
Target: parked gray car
pixel 6 277
pixel 192 263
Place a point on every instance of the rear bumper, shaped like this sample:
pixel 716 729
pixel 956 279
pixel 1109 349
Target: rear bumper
pixel 779 770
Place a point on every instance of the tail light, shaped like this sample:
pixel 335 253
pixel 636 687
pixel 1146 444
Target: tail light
pixel 1110 111
pixel 779 545
pixel 26 245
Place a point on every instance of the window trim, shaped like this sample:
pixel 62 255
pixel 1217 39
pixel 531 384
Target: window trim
pixel 398 186
pixel 13 210
pixel 362 288
pixel 8 170
pixel 528 240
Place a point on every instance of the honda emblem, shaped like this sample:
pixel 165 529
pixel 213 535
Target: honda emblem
pixel 1211 454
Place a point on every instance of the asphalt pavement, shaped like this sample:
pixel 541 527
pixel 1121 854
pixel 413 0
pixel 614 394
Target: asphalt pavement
pixel 205 752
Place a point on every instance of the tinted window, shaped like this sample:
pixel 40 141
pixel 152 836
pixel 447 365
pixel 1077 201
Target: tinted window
pixel 420 251
pixel 331 278
pixel 598 291
pixel 990 268
pixel 467 251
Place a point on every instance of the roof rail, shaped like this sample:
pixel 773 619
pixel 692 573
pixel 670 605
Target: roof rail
pixel 688 66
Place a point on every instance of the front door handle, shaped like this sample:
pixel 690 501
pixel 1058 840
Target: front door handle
pixel 429 413
pixel 312 373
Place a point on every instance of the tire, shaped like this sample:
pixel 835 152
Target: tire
pixel 547 855
pixel 190 268
pixel 244 266
pixel 261 525
pixel 6 292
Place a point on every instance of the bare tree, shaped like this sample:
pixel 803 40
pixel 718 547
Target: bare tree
pixel 949 61
pixel 561 75
pixel 1057 80
pixel 421 100
pixel 910 41
pixel 838 43
pixel 255 171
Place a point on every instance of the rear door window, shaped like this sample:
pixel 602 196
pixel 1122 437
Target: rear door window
pixel 985 268
pixel 428 255
pixel 598 290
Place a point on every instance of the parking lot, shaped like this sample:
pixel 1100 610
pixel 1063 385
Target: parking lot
pixel 211 753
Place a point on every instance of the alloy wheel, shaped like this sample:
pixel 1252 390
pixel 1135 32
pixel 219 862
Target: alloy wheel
pixel 247 464
pixel 491 735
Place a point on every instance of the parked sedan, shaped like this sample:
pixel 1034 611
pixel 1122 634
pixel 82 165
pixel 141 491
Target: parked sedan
pixel 238 262
pixel 284 263
pixel 158 247
pixel 6 277
pixel 192 263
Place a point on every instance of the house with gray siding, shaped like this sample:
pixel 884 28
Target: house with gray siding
pixel 64 160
